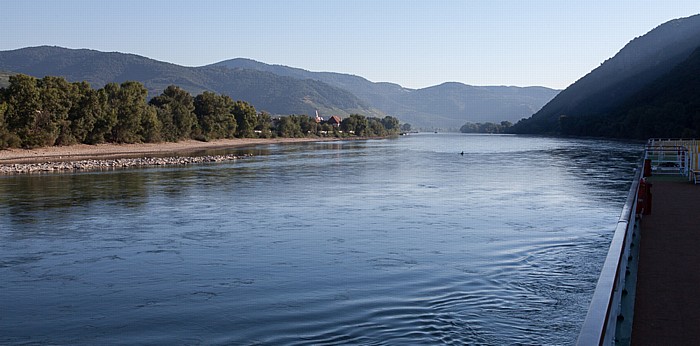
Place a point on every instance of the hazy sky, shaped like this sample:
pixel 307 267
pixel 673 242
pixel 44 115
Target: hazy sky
pixel 413 43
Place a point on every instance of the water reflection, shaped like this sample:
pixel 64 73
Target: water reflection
pixel 398 242
pixel 45 199
pixel 604 166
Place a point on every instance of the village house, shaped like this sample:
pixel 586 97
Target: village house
pixel 334 120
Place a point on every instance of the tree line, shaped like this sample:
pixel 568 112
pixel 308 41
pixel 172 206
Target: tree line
pixel 52 111
pixel 488 127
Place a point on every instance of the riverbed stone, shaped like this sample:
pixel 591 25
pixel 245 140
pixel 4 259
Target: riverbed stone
pixel 87 165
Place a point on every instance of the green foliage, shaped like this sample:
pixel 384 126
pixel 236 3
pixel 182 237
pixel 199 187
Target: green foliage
pixel 246 119
pixel 84 113
pixel 391 124
pixel 355 124
pixel 23 109
pixel 128 101
pixel 7 139
pixel 56 97
pixel 290 126
pixel 51 111
pixel 214 115
pixel 150 131
pixel 360 125
pixel 308 125
pixel 175 111
pixel 263 125
pixel 105 117
pixel 273 90
pixel 503 127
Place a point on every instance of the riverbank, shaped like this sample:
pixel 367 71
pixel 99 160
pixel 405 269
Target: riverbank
pixel 109 156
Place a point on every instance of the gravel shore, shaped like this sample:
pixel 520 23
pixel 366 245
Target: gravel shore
pixel 111 156
pixel 92 165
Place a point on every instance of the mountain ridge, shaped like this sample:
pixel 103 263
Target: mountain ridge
pixel 279 89
pixel 637 65
pixel 259 88
pixel 447 104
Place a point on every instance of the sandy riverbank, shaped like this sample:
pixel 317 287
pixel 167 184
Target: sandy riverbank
pixel 114 151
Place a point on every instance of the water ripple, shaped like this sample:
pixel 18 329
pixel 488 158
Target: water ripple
pixel 392 242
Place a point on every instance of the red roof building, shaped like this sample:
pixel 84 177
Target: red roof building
pixel 334 120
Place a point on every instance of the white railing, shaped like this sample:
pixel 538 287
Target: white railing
pixel 674 156
pixel 600 325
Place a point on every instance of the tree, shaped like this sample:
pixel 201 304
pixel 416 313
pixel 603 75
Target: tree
pixel 150 131
pixel 375 127
pixel 7 139
pixel 214 116
pixel 51 111
pixel 57 97
pixel 289 126
pixel 128 101
pixel 24 115
pixel 391 124
pixel 264 124
pixel 246 119
pixel 488 127
pixel 307 124
pixel 355 123
pixel 82 116
pixel 175 111
pixel 96 104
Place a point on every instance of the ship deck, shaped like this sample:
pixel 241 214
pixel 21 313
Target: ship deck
pixel 667 302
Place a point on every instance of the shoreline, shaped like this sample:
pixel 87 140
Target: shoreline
pixel 84 157
pixel 79 152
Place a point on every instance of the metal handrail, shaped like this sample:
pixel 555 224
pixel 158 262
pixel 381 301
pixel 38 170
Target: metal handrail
pixel 599 326
pixel 677 155
pixel 687 155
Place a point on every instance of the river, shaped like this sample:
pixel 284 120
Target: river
pixel 400 241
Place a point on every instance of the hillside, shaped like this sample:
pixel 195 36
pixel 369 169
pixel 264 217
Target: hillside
pixel 447 105
pixel 376 94
pixel 667 107
pixel 285 90
pixel 266 91
pixel 456 103
pixel 610 86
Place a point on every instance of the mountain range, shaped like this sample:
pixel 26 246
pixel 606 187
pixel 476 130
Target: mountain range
pixel 285 90
pixel 648 89
pixel 448 105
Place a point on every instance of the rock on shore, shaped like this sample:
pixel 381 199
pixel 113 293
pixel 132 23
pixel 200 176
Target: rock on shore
pixel 89 165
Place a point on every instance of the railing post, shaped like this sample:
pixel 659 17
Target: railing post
pixel 601 319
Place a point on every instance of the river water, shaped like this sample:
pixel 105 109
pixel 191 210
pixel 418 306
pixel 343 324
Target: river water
pixel 382 242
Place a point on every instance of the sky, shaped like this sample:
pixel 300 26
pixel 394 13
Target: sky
pixel 416 44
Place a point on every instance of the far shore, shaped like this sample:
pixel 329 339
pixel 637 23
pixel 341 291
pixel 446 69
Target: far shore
pixel 117 151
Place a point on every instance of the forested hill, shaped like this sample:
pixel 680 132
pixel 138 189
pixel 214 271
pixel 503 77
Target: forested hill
pixel 588 106
pixel 266 91
pixel 448 105
pixel 668 107
pixel 285 90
